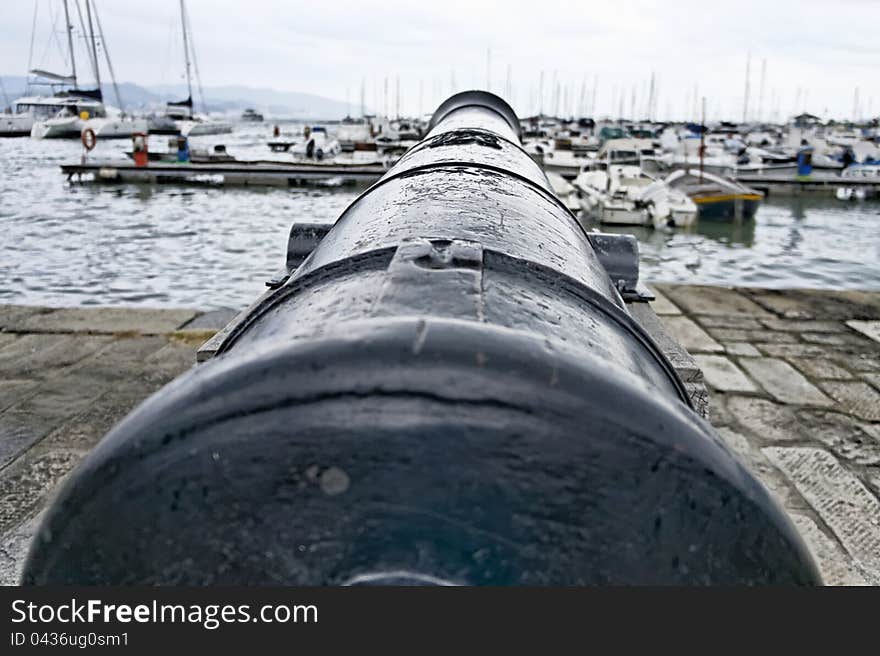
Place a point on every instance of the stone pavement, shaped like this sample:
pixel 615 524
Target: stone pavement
pixel 794 379
pixel 794 390
pixel 66 376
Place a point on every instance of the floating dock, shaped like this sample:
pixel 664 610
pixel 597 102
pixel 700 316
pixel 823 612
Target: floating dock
pixel 263 173
pixel 819 183
pixel 793 378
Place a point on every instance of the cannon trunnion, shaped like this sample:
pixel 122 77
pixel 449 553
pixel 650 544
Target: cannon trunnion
pixel 448 389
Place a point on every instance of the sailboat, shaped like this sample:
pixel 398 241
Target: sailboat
pixel 179 117
pixel 60 113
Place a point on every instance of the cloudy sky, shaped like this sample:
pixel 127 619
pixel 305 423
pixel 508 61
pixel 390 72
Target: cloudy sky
pixel 817 52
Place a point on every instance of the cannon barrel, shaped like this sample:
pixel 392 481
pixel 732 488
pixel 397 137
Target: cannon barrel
pixel 449 389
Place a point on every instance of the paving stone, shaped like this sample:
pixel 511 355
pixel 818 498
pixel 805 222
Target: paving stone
pixel 719 415
pixel 661 305
pixel 770 337
pixel 712 300
pixel 856 398
pixel 14 547
pixel 13 315
pixel 783 382
pixel 821 368
pixel 779 424
pixel 857 361
pixel 835 565
pixel 729 334
pixel 29 353
pixel 722 321
pixel 108 320
pixel 25 484
pixel 85 430
pixel 769 421
pixel 742 349
pixel 869 328
pixel 690 335
pixel 723 375
pixel 217 319
pixel 834 339
pixel 817 304
pixel 760 467
pixel 839 498
pixel 847 438
pixel 20 430
pixel 794 326
pixel 13 390
pixel 874 379
pixel 61 397
pixel 793 350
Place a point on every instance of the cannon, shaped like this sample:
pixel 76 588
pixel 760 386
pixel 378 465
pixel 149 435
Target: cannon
pixel 445 388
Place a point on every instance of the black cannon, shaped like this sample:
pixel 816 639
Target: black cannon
pixel 448 389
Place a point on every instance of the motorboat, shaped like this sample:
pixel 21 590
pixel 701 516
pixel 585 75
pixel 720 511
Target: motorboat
pixel 624 194
pixel 315 144
pixel 716 197
pixel 251 116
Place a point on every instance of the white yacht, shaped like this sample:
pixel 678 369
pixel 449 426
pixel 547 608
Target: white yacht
pixel 30 110
pixel 71 112
pixel 624 194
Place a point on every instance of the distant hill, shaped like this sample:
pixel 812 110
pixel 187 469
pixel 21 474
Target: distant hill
pixel 232 98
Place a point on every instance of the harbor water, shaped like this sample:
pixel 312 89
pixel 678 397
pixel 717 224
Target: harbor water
pixel 173 246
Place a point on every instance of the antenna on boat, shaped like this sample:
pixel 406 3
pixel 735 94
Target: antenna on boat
pixel 69 27
pixel 107 58
pixel 761 92
pixel 186 52
pixel 94 47
pixel 5 97
pixel 702 138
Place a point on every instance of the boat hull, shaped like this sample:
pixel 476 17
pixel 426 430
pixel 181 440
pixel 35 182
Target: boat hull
pixel 729 207
pixel 58 128
pixel 16 125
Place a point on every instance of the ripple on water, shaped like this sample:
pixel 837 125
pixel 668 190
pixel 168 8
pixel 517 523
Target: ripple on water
pixel 211 247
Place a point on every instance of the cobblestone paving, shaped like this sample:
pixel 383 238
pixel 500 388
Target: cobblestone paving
pixel 794 378
pixel 66 376
pixel 795 392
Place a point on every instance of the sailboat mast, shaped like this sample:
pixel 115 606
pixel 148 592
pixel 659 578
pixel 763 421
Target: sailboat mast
pixel 70 43
pixel 107 59
pixel 186 51
pixel 94 47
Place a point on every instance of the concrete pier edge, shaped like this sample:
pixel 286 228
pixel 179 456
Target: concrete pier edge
pixel 790 378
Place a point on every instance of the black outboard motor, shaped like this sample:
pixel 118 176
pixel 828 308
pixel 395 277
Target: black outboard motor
pixel 449 389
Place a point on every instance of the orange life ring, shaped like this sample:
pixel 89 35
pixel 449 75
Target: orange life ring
pixel 89 138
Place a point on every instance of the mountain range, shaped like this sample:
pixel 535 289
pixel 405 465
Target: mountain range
pixel 229 98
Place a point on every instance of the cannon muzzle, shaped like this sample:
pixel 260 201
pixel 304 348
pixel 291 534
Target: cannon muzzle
pixel 449 389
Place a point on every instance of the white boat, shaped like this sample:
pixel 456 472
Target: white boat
pixel 16 124
pixel 316 144
pixel 202 125
pixel 116 125
pixel 80 109
pixel 181 114
pixel 623 194
pixel 565 191
pixel 70 119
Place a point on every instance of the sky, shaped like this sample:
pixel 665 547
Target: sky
pixel 814 54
